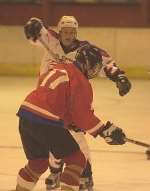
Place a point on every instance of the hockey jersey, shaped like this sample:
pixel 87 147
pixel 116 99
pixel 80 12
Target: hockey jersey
pixel 51 39
pixel 63 96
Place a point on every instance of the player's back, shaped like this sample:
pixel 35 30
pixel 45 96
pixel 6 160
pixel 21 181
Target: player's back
pixel 57 92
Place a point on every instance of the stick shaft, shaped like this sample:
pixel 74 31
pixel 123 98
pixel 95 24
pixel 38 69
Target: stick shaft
pixel 138 142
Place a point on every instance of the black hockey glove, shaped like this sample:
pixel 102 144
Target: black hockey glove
pixel 123 84
pixel 112 134
pixel 32 28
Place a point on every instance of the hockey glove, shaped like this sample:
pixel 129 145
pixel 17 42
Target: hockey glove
pixel 32 28
pixel 112 134
pixel 123 84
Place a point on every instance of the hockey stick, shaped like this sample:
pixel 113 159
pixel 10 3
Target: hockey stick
pixel 137 142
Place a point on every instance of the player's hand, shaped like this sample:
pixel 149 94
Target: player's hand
pixel 118 76
pixel 123 84
pixel 112 134
pixel 32 28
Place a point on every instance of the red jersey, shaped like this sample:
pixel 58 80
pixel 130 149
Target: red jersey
pixel 63 96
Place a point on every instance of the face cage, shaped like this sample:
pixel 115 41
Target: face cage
pixel 91 72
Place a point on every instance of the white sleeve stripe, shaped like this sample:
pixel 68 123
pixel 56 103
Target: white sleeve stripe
pixel 92 130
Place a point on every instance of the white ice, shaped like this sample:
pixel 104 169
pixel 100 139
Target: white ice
pixel 115 168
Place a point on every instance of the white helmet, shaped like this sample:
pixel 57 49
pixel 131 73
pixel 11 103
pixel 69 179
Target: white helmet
pixel 67 21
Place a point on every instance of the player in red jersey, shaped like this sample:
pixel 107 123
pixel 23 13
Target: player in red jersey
pixel 45 116
pixel 63 46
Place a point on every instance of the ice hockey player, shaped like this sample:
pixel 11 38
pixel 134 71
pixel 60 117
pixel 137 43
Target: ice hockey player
pixel 64 46
pixel 44 117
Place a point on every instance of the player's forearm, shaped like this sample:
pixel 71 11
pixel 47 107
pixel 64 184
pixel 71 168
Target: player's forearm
pixel 88 122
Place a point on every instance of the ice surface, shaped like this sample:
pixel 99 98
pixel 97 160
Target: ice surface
pixel 115 168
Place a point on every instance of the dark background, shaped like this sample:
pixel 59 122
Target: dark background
pixel 113 13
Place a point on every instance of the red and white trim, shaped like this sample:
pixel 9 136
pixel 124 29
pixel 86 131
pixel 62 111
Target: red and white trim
pixel 39 110
pixel 25 184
